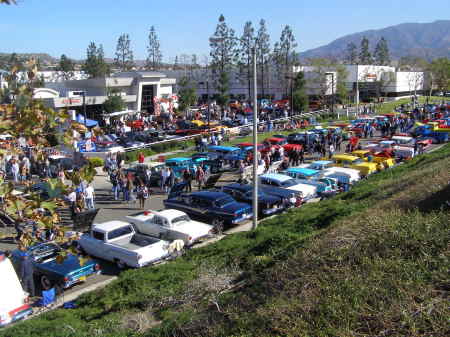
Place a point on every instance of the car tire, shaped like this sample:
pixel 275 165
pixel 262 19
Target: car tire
pixel 121 265
pixel 218 226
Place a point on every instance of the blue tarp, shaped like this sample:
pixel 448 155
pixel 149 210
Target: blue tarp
pixel 89 122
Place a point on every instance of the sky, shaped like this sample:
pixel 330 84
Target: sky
pixel 66 27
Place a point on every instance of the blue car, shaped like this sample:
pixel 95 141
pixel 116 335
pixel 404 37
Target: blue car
pixel 217 208
pixel 313 177
pixel 47 269
pixel 267 204
pixel 224 152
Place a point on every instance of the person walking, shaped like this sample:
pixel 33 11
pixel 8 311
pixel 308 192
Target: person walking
pixel 89 196
pixel 187 177
pixel 142 194
pixel 15 170
pixel 165 175
pixel 199 176
pixel 26 273
pixel 141 158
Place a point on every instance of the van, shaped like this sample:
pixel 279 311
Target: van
pixel 14 300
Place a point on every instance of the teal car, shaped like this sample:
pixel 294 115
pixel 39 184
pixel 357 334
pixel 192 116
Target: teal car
pixel 179 164
pixel 313 177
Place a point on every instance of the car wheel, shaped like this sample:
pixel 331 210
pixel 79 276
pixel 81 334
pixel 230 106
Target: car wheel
pixel 218 226
pixel 46 283
pixel 121 265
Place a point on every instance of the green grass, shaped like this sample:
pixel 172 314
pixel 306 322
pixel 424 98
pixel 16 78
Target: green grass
pixel 369 260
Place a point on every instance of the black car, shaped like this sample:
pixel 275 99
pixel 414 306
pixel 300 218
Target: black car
pixel 140 171
pixel 217 208
pixel 267 204
pixel 300 138
pixel 290 198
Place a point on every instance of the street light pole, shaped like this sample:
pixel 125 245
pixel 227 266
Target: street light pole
pixel 332 93
pixel 255 143
pixel 84 107
pixel 357 89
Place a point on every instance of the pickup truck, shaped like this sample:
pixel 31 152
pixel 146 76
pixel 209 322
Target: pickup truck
pixel 170 224
pixel 117 241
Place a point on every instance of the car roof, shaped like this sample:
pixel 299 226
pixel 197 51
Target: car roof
pixel 212 195
pixel 240 187
pixel 147 215
pixel 177 159
pixel 345 157
pixel 276 176
pixel 220 147
pixel 322 162
pixel 305 171
pixel 109 225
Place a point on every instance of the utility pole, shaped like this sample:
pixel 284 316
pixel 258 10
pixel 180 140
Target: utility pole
pixel 255 143
pixel 84 107
pixel 357 89
pixel 332 93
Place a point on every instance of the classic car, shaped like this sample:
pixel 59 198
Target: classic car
pixel 224 151
pixel 118 242
pixel 179 164
pixel 209 160
pixel 302 138
pixel 284 181
pixel 267 204
pixel 343 175
pixel 403 140
pixel 382 161
pixel 170 224
pixel 312 177
pixel 48 268
pixel 15 304
pixel 139 171
pixel 218 208
pixel 345 160
pixel 290 198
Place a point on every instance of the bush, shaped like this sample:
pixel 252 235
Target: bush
pixel 96 161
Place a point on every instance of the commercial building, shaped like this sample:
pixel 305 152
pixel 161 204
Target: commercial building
pixel 141 91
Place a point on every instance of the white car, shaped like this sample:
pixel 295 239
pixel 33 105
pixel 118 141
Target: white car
pixel 117 241
pixel 284 181
pixel 14 304
pixel 327 168
pixel 170 224
pixel 403 140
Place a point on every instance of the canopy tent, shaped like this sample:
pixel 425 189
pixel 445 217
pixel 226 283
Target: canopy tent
pixel 89 122
pixel 120 113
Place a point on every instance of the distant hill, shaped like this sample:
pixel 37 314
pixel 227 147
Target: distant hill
pixel 427 40
pixel 43 57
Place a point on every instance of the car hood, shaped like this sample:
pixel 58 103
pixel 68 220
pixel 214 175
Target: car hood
pixel 194 229
pixel 236 207
pixel 70 264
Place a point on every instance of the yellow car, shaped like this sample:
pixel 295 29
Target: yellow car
pixel 382 162
pixel 346 160
pixel 198 122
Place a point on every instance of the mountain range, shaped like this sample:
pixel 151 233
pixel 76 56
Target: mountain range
pixel 426 40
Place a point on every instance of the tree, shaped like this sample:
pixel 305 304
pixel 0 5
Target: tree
pixel 175 63
pixel 223 88
pixel 381 53
pixel 154 58
pixel 341 83
pixel 299 97
pixel 66 66
pixel 187 95
pixel 262 52
pixel 351 53
pixel 95 65
pixel 223 52
pixel 440 73
pixel 285 56
pixel 319 82
pixel 124 55
pixel 245 55
pixel 114 103
pixel 364 54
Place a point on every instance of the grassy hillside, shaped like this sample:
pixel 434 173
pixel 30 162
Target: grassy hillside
pixel 370 262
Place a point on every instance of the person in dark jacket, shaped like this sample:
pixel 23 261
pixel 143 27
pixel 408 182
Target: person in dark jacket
pixel 26 274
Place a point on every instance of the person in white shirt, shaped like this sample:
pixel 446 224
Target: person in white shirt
pixel 89 196
pixel 15 168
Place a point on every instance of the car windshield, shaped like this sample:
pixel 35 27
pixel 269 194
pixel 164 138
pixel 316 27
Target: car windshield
pixel 182 218
pixel 223 201
pixel 44 251
pixel 289 182
pixel 357 161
